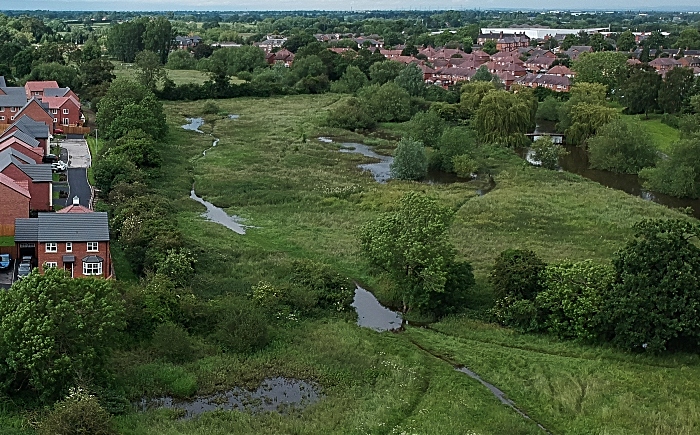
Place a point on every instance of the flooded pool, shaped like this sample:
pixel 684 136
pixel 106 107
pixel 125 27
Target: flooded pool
pixel 278 394
pixel 371 314
pixel 218 215
pixel 233 116
pixel 194 124
pixel 381 171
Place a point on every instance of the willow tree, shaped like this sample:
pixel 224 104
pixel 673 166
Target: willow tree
pixel 504 118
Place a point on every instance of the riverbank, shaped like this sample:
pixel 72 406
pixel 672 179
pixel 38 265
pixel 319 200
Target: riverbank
pixel 306 200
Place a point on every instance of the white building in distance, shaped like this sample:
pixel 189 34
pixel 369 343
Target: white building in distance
pixel 540 32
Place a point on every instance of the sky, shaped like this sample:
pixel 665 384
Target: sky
pixel 242 5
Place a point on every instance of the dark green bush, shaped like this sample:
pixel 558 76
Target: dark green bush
pixel 516 274
pixel 173 344
pixel 79 414
pixel 330 288
pixel 242 326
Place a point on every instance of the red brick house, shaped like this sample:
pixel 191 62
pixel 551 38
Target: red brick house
pixel 14 143
pixel 33 133
pixel 36 88
pixel 664 64
pixel 539 63
pixel 38 111
pixel 284 56
pixel 561 70
pixel 64 110
pixel 505 41
pixel 39 177
pixel 14 203
pixel 549 81
pixel 75 240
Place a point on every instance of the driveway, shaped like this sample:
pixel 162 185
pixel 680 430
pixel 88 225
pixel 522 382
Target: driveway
pixel 78 157
pixel 78 186
pixel 7 277
pixel 78 153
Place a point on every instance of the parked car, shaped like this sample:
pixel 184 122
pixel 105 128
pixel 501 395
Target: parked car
pixel 59 166
pixel 5 261
pixel 50 158
pixel 23 270
pixel 58 130
pixel 27 259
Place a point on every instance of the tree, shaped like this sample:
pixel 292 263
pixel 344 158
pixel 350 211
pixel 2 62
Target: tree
pixel 621 146
pixel 655 41
pixel 454 142
pixel 548 109
pixel 54 330
pixel 516 274
pixel 113 169
pixel 411 244
pixel 676 89
pixel 139 147
pixel 626 41
pixel 679 174
pixel 386 103
pixel 504 118
pixel 181 59
pixel 66 76
pixel 410 161
pixel 353 80
pixel 128 101
pixel 654 299
pixel 126 39
pixel 472 94
pixel 149 69
pixel 547 152
pixel 297 41
pixel 158 37
pixel 490 47
pixel 640 90
pixel 426 127
pixel 607 68
pixel 689 39
pixel 482 75
pixel 245 58
pixel 411 79
pixel 586 119
pixel 384 72
pixel 350 115
pixel 569 41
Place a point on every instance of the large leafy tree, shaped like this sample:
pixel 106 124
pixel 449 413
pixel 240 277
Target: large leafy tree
pixel 605 67
pixel 689 39
pixel 676 89
pixel 150 70
pixel 128 106
pixel 586 119
pixel 411 79
pixel 426 127
pixel 55 330
pixel 410 161
pixel 126 39
pixel 388 102
pixel 353 80
pixel 383 72
pixel 654 301
pixel 504 117
pixel 640 90
pixel 411 244
pixel 626 42
pixel 159 38
pixel 621 146
pixel 679 174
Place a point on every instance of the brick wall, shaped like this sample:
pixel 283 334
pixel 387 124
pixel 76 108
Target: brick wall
pixel 73 113
pixel 37 113
pixel 79 251
pixel 12 205
pixel 40 192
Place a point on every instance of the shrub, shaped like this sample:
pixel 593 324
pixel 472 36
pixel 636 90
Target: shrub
pixel 173 344
pixel 464 166
pixel 679 174
pixel 516 274
pixel 410 161
pixel 548 110
pixel 426 127
pixel 350 115
pixel 331 289
pixel 547 152
pixel 210 108
pixel 386 103
pixel 621 147
pixel 242 327
pixel 79 414
pixel 460 281
pixel 517 313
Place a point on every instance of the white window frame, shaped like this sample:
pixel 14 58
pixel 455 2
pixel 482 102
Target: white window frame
pixel 12 117
pixel 50 265
pixel 54 111
pixel 96 246
pixel 55 120
pixel 69 246
pixel 2 109
pixel 92 269
pixel 2 118
pixel 66 121
pixel 51 247
pixel 13 109
pixel 65 111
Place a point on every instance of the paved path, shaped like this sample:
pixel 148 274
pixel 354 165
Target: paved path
pixel 78 161
pixel 78 153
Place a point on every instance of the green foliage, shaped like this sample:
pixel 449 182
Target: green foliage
pixel 547 152
pixel 411 79
pixel 181 59
pixel 689 39
pixel 149 69
pixel 471 95
pixel 548 109
pixel 353 80
pixel 410 160
pixel 129 106
pixel 54 330
pixel 178 266
pixel 78 414
pixel 385 72
pixel 351 114
pixel 626 42
pixel 65 75
pixel 516 274
pixel 173 344
pixel 483 75
pixel 331 290
pixel 620 147
pixel 640 90
pixel 412 246
pixel 676 89
pixel 654 299
pixel 464 165
pixel 114 169
pixel 210 108
pixel 426 127
pixel 586 119
pixel 158 38
pixel 504 118
pixel 679 174
pixel 386 103
pixel 520 314
pixel 241 327
pixel 454 142
pixel 608 68
pixel 490 47
pixel 138 147
pixel 572 300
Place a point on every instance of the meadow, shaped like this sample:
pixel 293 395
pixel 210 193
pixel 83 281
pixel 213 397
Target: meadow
pixel 305 200
pixel 178 76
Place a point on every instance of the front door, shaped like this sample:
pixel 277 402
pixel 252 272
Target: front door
pixel 69 268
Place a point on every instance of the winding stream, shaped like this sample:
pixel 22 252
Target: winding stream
pixel 214 213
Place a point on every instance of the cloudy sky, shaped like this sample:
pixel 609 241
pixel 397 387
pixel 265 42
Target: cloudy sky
pixel 238 5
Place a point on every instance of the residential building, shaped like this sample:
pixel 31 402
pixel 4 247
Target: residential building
pixel 14 203
pixel 664 64
pixel 505 41
pixel 65 111
pixel 554 82
pixel 38 176
pixel 36 88
pixel 185 42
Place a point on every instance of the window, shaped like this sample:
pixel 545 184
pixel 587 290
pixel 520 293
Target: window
pixel 50 265
pixel 51 247
pixel 12 117
pixel 65 111
pixel 92 246
pixel 66 121
pixel 92 268
pixel 2 118
pixel 55 120
pixel 69 246
pixel 54 111
pixel 13 109
pixel 2 109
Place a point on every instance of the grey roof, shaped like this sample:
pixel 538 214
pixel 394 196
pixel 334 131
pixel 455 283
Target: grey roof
pixel 56 92
pixel 14 97
pixel 39 173
pixel 6 157
pixel 24 137
pixel 63 227
pixel 29 126
pixel 93 259
pixel 69 258
pixel 2 82
pixel 26 230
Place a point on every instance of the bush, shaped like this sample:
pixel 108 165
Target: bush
pixel 331 289
pixel 547 152
pixel 410 161
pixel 79 414
pixel 516 274
pixel 621 147
pixel 386 103
pixel 516 313
pixel 548 110
pixel 460 282
pixel 426 127
pixel 464 166
pixel 210 108
pixel 173 344
pixel 679 174
pixel 242 327
pixel 350 115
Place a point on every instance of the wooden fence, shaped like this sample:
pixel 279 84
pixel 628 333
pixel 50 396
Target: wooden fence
pixel 7 230
pixel 68 129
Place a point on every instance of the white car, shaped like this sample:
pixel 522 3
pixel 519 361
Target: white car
pixel 59 166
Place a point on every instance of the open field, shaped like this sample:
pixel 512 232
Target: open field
pixel 661 134
pixel 306 200
pixel 179 76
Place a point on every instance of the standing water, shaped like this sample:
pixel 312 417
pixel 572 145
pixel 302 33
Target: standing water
pixel 194 124
pixel 371 314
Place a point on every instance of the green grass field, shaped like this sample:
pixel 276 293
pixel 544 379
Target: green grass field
pixel 661 134
pixel 307 200
pixel 179 76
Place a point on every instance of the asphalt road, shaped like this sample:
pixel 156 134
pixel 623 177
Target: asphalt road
pixel 77 154
pixel 77 180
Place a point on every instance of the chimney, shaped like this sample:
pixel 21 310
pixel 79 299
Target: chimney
pixel 76 200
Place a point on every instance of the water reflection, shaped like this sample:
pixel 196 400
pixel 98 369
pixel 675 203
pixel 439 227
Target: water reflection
pixel 371 314
pixel 194 124
pixel 216 214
